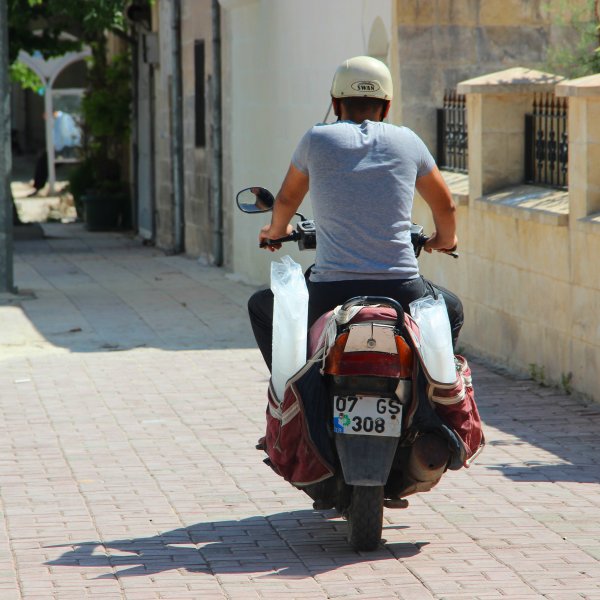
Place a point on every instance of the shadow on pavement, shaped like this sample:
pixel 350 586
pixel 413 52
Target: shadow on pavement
pixel 563 429
pixel 576 473
pixel 292 544
pixel 107 292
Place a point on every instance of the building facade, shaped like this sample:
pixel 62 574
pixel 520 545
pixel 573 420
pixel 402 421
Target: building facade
pixel 173 144
pixel 278 62
pixel 528 283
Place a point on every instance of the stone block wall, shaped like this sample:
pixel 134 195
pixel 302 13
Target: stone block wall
pixel 196 25
pixel 528 273
pixel 443 42
pixel 163 178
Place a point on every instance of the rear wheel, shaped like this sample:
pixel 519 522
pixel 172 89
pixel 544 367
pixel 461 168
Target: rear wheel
pixel 365 517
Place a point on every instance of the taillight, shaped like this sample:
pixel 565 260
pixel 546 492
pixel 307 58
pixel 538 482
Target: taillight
pixel 405 357
pixel 334 358
pixel 370 363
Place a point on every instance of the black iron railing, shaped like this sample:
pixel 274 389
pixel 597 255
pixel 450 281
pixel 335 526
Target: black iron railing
pixel 547 142
pixel 452 138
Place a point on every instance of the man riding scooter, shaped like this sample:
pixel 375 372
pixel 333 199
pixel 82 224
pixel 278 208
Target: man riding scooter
pixel 362 174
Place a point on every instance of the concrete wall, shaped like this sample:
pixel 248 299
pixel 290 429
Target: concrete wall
pixel 442 42
pixel 163 179
pixel 196 25
pixel 528 273
pixel 279 59
pixel 584 229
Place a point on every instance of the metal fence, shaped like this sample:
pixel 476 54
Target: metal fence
pixel 546 142
pixel 452 137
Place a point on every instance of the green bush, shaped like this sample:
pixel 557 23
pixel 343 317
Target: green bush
pixel 106 111
pixel 106 106
pixel 581 56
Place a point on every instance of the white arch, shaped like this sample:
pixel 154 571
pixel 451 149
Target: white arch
pixel 48 70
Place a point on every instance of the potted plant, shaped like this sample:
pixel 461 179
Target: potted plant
pixel 81 178
pixel 98 183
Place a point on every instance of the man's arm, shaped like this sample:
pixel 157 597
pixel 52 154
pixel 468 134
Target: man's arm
pixel 435 192
pixel 290 196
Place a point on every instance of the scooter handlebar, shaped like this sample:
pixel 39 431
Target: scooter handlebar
pixel 288 238
pixel 305 236
pixel 419 240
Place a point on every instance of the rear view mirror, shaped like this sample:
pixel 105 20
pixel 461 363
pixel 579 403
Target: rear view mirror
pixel 255 200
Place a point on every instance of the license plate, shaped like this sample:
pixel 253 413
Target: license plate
pixel 367 415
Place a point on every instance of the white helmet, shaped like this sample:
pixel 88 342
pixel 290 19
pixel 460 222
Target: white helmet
pixel 362 77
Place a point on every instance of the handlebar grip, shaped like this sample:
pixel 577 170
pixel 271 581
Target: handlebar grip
pixel 288 238
pixel 450 252
pixel 423 239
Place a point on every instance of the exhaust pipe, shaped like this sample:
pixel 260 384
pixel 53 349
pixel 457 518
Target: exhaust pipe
pixel 428 458
pixel 426 464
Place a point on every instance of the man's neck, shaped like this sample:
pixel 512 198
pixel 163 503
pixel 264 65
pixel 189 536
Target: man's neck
pixel 360 118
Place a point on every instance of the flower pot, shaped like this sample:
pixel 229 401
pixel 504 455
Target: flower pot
pixel 103 210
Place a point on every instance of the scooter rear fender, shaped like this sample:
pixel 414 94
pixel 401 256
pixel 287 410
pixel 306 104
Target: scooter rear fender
pixel 365 459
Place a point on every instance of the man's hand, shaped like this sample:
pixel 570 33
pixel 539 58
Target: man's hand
pixel 439 244
pixel 269 232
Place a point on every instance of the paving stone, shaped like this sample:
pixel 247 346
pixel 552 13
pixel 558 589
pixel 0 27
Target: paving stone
pixel 132 395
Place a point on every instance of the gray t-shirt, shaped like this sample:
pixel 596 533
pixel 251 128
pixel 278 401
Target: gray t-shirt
pixel 362 183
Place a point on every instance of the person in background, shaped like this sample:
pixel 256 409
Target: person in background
pixel 66 136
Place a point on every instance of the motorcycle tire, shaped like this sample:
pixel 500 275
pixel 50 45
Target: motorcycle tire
pixel 365 517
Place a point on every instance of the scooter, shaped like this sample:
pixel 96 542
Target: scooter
pixel 363 424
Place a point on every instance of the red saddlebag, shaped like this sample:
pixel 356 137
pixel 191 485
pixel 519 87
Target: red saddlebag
pixel 454 403
pixel 297 441
pixel 456 406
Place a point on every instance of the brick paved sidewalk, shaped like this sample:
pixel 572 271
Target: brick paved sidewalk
pixel 131 397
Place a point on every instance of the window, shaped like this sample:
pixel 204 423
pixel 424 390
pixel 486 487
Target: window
pixel 200 91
